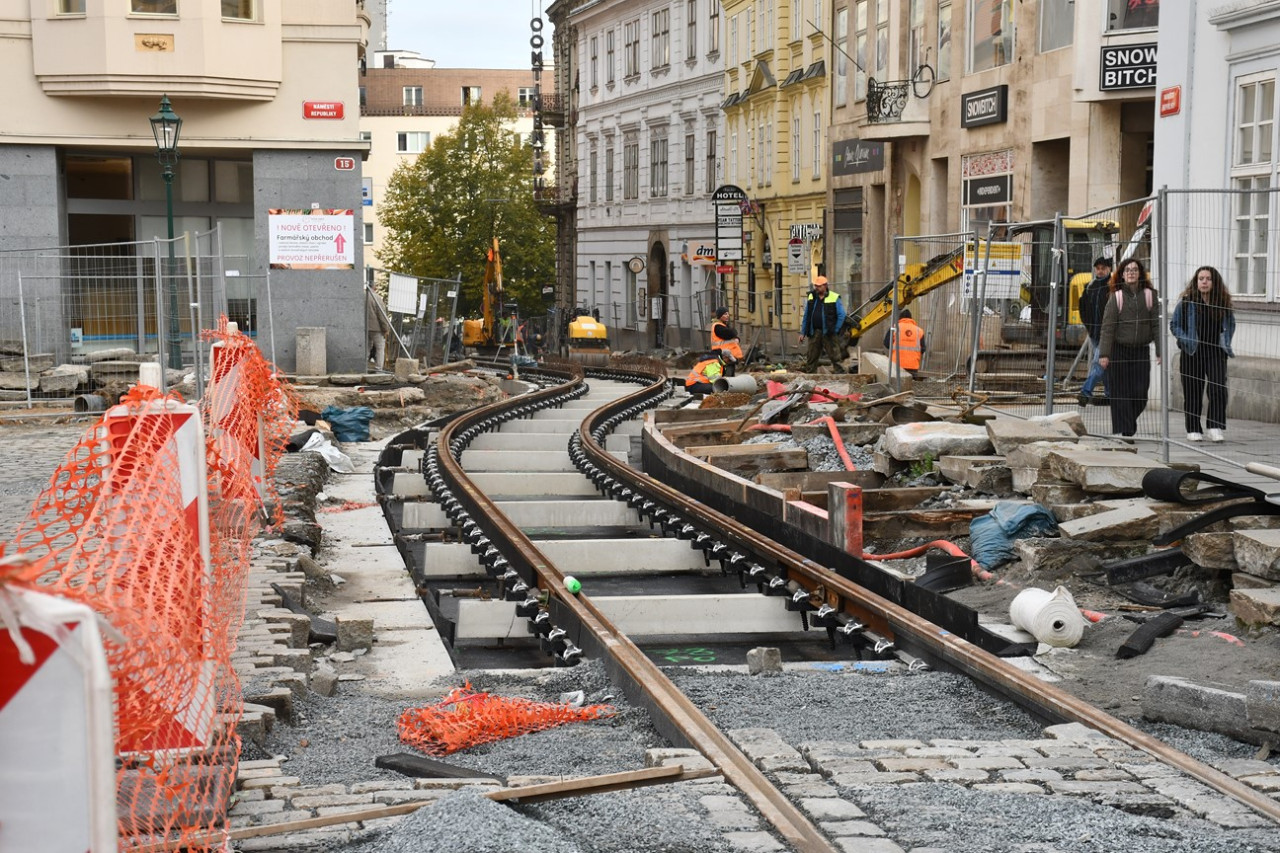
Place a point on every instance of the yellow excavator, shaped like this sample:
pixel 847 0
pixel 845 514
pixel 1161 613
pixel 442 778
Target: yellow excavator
pixel 1086 240
pixel 483 332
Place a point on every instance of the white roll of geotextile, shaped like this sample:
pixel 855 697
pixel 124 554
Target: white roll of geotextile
pixel 1051 617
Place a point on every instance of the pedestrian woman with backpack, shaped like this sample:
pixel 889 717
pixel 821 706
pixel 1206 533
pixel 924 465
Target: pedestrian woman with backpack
pixel 1130 325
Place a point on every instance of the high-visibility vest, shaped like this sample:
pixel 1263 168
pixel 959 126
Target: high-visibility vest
pixel 729 345
pixel 905 348
pixel 708 370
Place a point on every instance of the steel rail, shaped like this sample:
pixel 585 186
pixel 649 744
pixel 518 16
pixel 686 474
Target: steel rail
pixel 1024 689
pixel 682 717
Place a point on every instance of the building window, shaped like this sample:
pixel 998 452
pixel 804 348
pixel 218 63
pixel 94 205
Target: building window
pixel 767 33
pixel 797 20
pixel 1253 164
pixel 990 34
pixel 1057 24
pixel 593 175
pixel 470 95
pixel 366 192
pixel 658 166
pixel 841 60
pixel 795 143
pixel 711 161
pixel 154 7
pixel 608 174
pixel 240 10
pixel 732 58
pixel 412 142
pixel 882 40
pixel 1256 121
pixel 817 17
pixel 412 96
pixel 524 97
pixel 595 62
pixel 768 154
pixel 713 26
pixel 688 164
pixel 364 97
pixel 368 233
pixel 366 136
pixel 944 41
pixel 915 38
pixel 631 49
pixel 1132 14
pixel 660 53
pixel 733 156
pixel 70 7
pixel 860 50
pixel 608 58
pixel 817 143
pixel 691 30
pixel 630 169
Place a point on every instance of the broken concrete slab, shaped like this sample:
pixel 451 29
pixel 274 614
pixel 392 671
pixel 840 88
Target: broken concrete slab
pixel 17 381
pixel 64 378
pixel 35 363
pixel 1053 556
pixel 853 432
pixel 1072 419
pixel 1258 552
pixel 114 354
pixel 1102 472
pixel 1053 494
pixel 878 365
pixel 1244 580
pixel 955 468
pixel 1211 550
pixel 1262 705
pixel 883 463
pixel 911 442
pixel 1207 708
pixel 1256 606
pixel 1007 434
pixel 990 479
pixel 1114 525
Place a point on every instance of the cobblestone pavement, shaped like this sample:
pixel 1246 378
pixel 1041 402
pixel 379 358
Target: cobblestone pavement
pixel 29 453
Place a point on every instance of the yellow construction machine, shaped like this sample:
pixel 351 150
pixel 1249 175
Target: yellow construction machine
pixel 586 339
pixel 1087 239
pixel 483 332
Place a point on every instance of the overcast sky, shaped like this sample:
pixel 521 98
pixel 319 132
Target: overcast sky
pixel 467 33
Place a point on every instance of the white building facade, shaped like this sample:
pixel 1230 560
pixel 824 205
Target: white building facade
pixel 647 93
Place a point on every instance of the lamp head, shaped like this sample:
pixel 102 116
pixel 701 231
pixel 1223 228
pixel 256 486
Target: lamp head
pixel 166 126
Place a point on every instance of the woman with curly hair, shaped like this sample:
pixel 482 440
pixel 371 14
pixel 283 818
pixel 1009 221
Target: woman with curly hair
pixel 1203 324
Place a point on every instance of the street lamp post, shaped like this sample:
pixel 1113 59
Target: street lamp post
pixel 165 126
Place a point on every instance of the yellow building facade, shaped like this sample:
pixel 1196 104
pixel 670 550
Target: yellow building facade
pixel 775 150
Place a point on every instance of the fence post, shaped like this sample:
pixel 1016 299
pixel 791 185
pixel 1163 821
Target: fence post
pixel 1162 262
pixel 26 348
pixel 1057 255
pixel 271 314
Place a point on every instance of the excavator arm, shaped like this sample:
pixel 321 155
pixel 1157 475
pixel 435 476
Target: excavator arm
pixel 915 281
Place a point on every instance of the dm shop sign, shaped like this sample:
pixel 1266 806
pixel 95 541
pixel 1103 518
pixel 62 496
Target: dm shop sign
pixel 1127 66
pixel 985 106
pixel 311 239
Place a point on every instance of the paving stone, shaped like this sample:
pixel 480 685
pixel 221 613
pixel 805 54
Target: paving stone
pixel 846 765
pixel 1256 606
pixel 959 777
pixel 753 842
pixel 1102 472
pixel 354 634
pixel 1204 802
pixel 1111 774
pixel 911 765
pixel 737 820
pixel 1211 550
pixel 810 790
pixel 270 783
pixel 764 660
pixel 1241 767
pixel 853 780
pixel 825 808
pixel 1042 774
pixel 987 762
pixel 860 844
pixel 382 785
pixel 899 745
pixel 1263 782
pixel 312 839
pixel 324 681
pixel 1010 788
pixel 258 807
pixel 844 828
pixel 1175 700
pixel 323 800
pixel 329 790
pixel 934 751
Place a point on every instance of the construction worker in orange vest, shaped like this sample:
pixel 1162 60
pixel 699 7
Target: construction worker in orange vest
pixel 723 336
pixel 702 377
pixel 905 343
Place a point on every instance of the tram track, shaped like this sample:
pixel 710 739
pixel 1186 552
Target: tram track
pixel 571 627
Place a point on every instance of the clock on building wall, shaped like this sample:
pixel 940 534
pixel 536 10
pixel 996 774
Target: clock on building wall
pixel 636 264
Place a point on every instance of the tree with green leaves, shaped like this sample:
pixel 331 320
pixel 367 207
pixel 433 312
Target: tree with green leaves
pixel 443 209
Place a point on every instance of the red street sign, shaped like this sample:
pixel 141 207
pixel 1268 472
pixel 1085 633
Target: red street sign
pixel 322 109
pixel 344 164
pixel 724 269
pixel 1171 101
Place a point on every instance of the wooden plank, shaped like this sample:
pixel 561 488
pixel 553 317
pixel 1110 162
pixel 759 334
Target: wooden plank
pixel 699 427
pixel 750 459
pixel 529 793
pixel 667 416
pixel 889 500
pixel 812 481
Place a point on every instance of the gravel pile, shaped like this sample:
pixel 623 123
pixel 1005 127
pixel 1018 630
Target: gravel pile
pixel 661 819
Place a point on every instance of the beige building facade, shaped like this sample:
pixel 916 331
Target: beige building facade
pixel 268 96
pixel 949 115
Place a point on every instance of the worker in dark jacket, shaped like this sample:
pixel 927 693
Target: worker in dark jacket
pixel 1092 304
pixel 821 323
pixel 723 335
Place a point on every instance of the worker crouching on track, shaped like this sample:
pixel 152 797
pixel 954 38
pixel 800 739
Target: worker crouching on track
pixel 724 338
pixel 702 377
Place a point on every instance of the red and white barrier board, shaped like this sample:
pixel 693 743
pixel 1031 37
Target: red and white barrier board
pixel 57 752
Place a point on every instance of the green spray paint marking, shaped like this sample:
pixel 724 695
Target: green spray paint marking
pixel 689 655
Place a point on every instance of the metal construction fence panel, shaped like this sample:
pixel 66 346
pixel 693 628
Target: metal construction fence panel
pixel 68 312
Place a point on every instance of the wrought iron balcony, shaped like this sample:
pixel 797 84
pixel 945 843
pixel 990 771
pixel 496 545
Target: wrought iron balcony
pixel 886 101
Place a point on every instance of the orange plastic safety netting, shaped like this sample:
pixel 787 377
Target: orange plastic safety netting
pixel 466 718
pixel 149 522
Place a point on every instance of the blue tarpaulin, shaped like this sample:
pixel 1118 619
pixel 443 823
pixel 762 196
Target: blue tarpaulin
pixel 991 536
